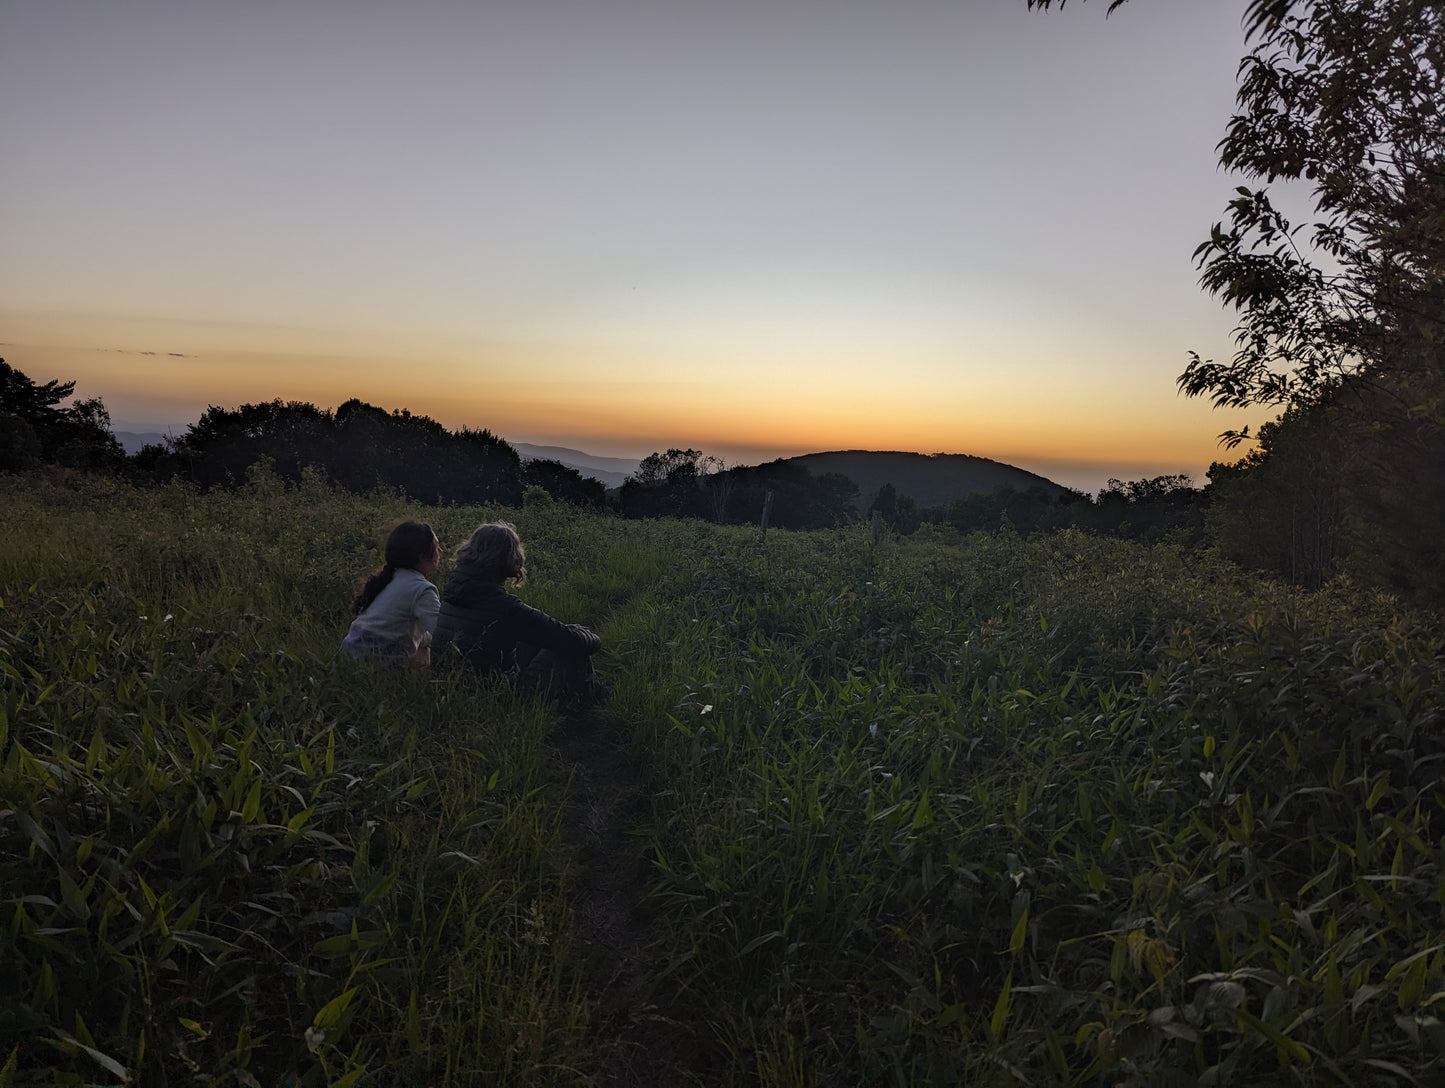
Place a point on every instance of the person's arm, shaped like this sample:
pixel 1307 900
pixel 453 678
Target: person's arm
pixel 589 636
pixel 535 626
pixel 428 604
pixel 424 610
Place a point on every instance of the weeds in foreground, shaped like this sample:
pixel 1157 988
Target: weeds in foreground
pixel 984 810
pixel 226 854
pixel 1059 811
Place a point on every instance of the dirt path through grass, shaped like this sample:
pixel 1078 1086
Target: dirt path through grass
pixel 641 1032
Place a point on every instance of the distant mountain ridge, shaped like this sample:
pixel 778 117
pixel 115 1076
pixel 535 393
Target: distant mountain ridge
pixel 928 479
pixel 132 441
pixel 611 471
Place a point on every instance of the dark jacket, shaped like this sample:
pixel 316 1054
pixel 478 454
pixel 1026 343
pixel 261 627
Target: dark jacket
pixel 484 623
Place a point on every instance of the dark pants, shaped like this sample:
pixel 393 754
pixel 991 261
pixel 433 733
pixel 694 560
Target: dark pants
pixel 564 678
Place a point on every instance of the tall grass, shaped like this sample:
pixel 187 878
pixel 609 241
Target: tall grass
pixel 226 853
pixel 983 810
pixel 1061 811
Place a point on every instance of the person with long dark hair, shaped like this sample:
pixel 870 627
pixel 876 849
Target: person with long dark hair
pixel 396 609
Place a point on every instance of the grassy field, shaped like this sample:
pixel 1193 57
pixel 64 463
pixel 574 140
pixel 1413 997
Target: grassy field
pixel 977 810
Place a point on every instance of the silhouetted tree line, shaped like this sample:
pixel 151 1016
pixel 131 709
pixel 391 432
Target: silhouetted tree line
pixel 685 483
pixel 899 512
pixel 1332 489
pixel 1147 510
pixel 362 447
pixel 35 430
pixel 1335 486
pixel 358 446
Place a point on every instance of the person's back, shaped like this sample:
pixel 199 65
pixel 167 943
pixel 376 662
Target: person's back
pixel 398 623
pixel 491 631
pixel 396 610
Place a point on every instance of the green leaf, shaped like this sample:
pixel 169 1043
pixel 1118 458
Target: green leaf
pixel 1286 1045
pixel 1020 931
pixel 105 1061
pixel 382 889
pixel 1380 788
pixel 72 896
pixel 95 756
pixel 1001 1008
pixel 759 941
pixel 330 1013
pixel 951 1015
pixel 36 834
pixel 923 813
pixel 252 806
pixel 1414 982
pixel 200 746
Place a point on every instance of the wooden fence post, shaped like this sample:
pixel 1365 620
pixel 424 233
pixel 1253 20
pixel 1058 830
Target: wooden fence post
pixel 767 510
pixel 877 527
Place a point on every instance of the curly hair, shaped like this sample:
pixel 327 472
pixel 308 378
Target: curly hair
pixel 496 550
pixel 408 545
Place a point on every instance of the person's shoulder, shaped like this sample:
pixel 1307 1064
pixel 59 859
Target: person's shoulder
pixel 514 605
pixel 466 575
pixel 414 580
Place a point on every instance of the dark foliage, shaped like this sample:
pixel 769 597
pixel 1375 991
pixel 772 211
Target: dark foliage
pixel 800 499
pixel 359 446
pixel 1341 316
pixel 1147 510
pixel 685 483
pixel 35 430
pixel 1342 320
pixel 665 485
pixel 676 484
pixel 1345 95
pixel 1325 493
pixel 899 512
pixel 563 482
pixel 1034 510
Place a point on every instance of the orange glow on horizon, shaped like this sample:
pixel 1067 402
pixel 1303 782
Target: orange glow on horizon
pixel 538 397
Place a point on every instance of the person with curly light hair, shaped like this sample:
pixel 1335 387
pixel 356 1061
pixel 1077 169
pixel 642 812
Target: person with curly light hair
pixel 492 632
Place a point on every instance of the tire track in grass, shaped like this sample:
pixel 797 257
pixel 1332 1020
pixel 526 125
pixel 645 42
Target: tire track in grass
pixel 641 1028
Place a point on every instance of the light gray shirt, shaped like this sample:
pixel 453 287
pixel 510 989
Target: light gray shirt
pixel 399 622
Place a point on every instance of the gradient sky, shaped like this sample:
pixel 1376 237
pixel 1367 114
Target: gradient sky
pixel 755 228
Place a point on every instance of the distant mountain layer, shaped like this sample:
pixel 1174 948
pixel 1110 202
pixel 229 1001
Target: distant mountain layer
pixel 610 470
pixel 132 441
pixel 928 479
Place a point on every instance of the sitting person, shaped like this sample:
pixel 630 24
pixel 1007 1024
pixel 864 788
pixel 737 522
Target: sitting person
pixel 396 610
pixel 494 632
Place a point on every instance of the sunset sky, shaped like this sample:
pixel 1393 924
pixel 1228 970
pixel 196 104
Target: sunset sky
pixel 754 228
